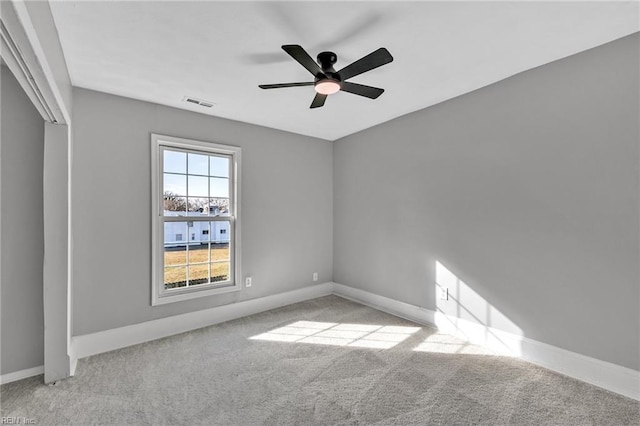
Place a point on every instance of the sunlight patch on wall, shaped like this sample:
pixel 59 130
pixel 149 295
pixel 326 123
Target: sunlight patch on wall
pixel 336 334
pixel 463 312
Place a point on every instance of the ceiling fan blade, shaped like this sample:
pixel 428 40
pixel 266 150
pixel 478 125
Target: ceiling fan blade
pixel 362 90
pixel 281 85
pixel 303 58
pixel 371 61
pixel 318 101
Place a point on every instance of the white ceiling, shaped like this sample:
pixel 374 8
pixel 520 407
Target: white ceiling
pixel 220 51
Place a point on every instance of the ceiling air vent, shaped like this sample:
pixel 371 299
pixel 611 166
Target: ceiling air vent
pixel 200 102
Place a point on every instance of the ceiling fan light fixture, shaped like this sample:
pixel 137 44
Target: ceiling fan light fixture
pixel 327 86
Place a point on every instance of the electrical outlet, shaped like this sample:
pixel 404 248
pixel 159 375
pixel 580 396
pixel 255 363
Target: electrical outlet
pixel 444 293
pixel 248 281
pixel 315 276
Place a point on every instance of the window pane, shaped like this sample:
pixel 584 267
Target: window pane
pixel 198 186
pixel 219 166
pixel 198 164
pixel 201 230
pixel 174 234
pixel 198 274
pixel 175 184
pixel 175 277
pixel 199 253
pixel 173 203
pixel 219 187
pixel 175 255
pixel 220 272
pixel 219 252
pixel 220 232
pixel 198 206
pixel 175 161
pixel 206 231
pixel 219 206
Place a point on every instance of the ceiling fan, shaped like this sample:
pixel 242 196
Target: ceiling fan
pixel 327 80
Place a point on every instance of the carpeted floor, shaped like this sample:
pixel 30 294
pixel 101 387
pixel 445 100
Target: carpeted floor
pixel 327 361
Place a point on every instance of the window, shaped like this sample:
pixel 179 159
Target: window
pixel 195 188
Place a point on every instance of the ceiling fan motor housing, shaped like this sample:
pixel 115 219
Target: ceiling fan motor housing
pixel 330 82
pixel 326 61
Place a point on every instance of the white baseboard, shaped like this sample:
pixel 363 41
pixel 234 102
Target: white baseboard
pixel 606 375
pixel 22 374
pixel 108 340
pixel 384 304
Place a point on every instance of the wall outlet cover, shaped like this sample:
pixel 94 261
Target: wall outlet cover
pixel 444 293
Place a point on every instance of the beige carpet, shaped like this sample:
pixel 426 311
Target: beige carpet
pixel 327 361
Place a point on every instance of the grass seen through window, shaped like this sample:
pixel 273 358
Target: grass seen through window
pixel 198 265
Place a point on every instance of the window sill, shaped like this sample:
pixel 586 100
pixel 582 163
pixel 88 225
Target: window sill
pixel 196 294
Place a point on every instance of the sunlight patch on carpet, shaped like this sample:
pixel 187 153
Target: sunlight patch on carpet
pixel 447 344
pixel 336 334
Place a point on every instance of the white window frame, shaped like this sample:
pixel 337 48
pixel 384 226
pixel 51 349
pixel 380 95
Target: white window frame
pixel 159 295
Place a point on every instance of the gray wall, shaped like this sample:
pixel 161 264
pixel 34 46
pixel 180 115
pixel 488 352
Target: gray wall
pixel 527 190
pixel 287 208
pixel 21 154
